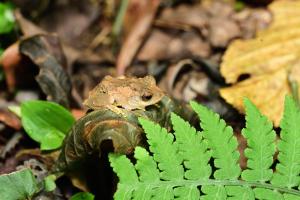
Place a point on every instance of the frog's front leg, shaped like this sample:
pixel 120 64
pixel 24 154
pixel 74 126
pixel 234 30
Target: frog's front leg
pixel 117 110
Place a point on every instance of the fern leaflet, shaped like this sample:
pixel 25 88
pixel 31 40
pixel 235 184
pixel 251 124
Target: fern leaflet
pixel 179 165
pixel 288 170
pixel 261 148
pixel 221 142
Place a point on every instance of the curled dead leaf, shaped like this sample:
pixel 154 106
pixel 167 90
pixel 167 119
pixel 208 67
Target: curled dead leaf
pixel 45 51
pixel 89 133
pixel 267 92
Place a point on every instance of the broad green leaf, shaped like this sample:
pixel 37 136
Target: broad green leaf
pixel 18 185
pixel 7 20
pixel 46 122
pixel 82 196
pixel 15 109
pixel 52 139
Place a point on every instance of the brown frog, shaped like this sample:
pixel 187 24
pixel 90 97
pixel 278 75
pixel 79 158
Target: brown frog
pixel 129 93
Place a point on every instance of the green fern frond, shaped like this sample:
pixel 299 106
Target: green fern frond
pixel 146 166
pixel 148 173
pixel 239 193
pixel 197 167
pixel 164 150
pixel 261 193
pixel 288 168
pixel 179 165
pixel 126 173
pixel 221 141
pixel 261 147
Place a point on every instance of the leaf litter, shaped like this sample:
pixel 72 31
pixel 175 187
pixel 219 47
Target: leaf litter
pixel 181 43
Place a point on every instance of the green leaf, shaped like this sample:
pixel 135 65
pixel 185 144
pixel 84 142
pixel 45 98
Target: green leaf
pixel 7 20
pixel 261 147
pixel 53 139
pixel 15 109
pixel 46 122
pixel 18 185
pixel 49 183
pixel 82 196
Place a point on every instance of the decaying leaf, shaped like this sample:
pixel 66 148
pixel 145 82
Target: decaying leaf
pixel 45 51
pixel 270 60
pixel 10 119
pixel 38 169
pixel 136 36
pixel 11 144
pixel 10 60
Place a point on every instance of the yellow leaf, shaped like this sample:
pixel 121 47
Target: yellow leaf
pixel 269 59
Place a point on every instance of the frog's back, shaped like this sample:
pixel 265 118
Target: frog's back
pixel 98 97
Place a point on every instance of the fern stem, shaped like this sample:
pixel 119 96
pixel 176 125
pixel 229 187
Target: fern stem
pixel 217 183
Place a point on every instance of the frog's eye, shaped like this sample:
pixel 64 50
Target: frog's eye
pixel 147 97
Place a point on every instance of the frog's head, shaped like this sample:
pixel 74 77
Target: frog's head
pixel 149 92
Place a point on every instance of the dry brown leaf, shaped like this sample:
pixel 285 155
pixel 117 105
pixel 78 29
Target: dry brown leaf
pixel 184 16
pixel 136 36
pixel 270 59
pixel 10 61
pixel 186 45
pixel 78 113
pixel 10 119
pixel 45 51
